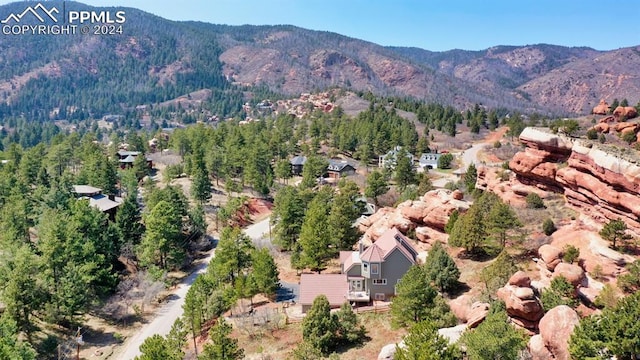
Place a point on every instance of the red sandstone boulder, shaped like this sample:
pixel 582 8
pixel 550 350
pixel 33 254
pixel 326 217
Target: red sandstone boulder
pixel 520 279
pixel 602 128
pixel 573 273
pixel 477 314
pixel 414 211
pixel 457 194
pixel 602 108
pixel 551 255
pixel 460 307
pixel 555 329
pixel 626 112
pixel 526 309
pixel 626 127
pixel 608 119
pixel 537 349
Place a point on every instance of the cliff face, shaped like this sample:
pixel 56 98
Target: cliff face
pixel 603 183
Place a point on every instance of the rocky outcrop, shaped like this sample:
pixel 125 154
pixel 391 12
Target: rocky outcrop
pixel 602 108
pixel 550 255
pixel 574 274
pixel 523 307
pixel 427 216
pixel 467 312
pixel 555 329
pixel 625 112
pixel 600 181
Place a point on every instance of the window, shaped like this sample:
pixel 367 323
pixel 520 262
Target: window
pixel 379 296
pixel 379 281
pixel 365 267
pixel 374 268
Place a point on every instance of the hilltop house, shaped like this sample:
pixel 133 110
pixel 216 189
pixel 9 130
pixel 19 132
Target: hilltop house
pixel 367 274
pixel 297 164
pixel 107 204
pixel 390 159
pixel 338 169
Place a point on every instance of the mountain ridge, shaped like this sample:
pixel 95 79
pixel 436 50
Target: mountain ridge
pixel 156 60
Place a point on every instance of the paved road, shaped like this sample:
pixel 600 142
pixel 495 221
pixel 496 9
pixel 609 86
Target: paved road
pixel 470 156
pixel 172 309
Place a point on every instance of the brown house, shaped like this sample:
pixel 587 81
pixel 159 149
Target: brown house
pixel 338 169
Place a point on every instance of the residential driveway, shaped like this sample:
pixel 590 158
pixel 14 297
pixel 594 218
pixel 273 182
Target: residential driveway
pixel 288 292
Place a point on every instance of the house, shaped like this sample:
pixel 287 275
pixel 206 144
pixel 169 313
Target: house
pixel 366 275
pixel 297 164
pixel 334 286
pixel 338 169
pixel 429 161
pixel 107 204
pixel 390 159
pixel 127 158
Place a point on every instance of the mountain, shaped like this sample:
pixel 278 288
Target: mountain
pixel 155 60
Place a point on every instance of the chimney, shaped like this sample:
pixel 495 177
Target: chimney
pixel 360 247
pixel 112 197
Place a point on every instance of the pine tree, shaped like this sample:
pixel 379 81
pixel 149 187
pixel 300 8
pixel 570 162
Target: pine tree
pixel 265 272
pixel 424 343
pixel 376 185
pixel 405 173
pixel 414 297
pixel 344 212
pixel 222 347
pixel 315 241
pixel 440 269
pixel 319 326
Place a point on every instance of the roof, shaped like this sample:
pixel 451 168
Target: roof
pixel 373 254
pixel 349 258
pixel 299 160
pixel 103 203
pixel 86 190
pixel 429 158
pixel 389 241
pixel 338 165
pixel 334 286
pixel 124 153
pixel 128 159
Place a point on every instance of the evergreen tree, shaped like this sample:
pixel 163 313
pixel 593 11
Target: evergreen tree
pixel 424 343
pixel 161 244
pixel 319 326
pixel 614 231
pixel 470 178
pixel 440 269
pixel 414 297
pixel 494 338
pixel 157 347
pixel 265 272
pixel 376 185
pixel 11 348
pixel 222 347
pixel 349 330
pixel 500 220
pixel 233 254
pixel 283 170
pixel 288 216
pixel 313 169
pixel 315 240
pixel 345 210
pixel 405 172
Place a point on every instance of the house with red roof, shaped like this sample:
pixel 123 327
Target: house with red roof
pixel 366 274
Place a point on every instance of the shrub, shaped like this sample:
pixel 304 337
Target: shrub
pixel 602 139
pixel 592 134
pixel 548 227
pixel 444 161
pixel 629 137
pixel 597 272
pixel 561 292
pixel 497 145
pixel 534 201
pixel 571 254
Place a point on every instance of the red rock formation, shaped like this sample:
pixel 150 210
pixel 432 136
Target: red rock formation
pixel 573 273
pixel 427 216
pixel 555 329
pixel 625 112
pixel 602 128
pixel 602 184
pixel 550 255
pixel 608 119
pixel 523 307
pixel 602 108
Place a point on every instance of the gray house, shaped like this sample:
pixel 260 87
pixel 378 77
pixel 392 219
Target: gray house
pixel 297 163
pixel 373 273
pixel 338 169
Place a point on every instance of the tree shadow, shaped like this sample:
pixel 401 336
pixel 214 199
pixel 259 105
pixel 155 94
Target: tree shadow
pixel 459 289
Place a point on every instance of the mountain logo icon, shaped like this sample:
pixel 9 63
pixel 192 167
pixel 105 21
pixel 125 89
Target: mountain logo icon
pixel 40 12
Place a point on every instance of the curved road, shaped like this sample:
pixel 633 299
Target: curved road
pixel 167 314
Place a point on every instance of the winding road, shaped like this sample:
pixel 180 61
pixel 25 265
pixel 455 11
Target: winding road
pixel 167 314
